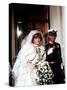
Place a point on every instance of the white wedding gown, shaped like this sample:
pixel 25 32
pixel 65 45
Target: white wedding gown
pixel 23 70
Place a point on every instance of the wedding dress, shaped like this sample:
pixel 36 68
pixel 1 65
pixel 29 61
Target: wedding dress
pixel 24 70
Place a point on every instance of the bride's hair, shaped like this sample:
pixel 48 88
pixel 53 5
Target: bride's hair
pixel 37 35
pixel 30 37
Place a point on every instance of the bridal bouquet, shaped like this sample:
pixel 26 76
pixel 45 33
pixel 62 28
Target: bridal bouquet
pixel 44 73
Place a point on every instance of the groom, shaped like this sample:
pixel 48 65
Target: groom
pixel 53 56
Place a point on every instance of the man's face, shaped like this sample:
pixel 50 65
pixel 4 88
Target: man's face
pixel 52 38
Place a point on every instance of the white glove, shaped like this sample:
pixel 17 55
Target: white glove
pixel 50 51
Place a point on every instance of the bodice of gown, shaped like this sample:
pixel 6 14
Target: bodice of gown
pixel 40 51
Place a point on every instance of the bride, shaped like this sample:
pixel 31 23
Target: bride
pixel 31 51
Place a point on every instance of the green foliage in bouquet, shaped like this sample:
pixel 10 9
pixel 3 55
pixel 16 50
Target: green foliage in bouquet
pixel 44 73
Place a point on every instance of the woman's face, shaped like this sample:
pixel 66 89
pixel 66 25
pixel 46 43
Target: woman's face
pixel 37 41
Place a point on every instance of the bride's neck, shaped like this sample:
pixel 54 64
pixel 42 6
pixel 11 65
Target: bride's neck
pixel 36 45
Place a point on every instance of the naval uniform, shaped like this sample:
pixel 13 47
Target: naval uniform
pixel 55 61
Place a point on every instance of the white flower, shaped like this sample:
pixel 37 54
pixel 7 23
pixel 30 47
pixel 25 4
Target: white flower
pixel 46 71
pixel 45 67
